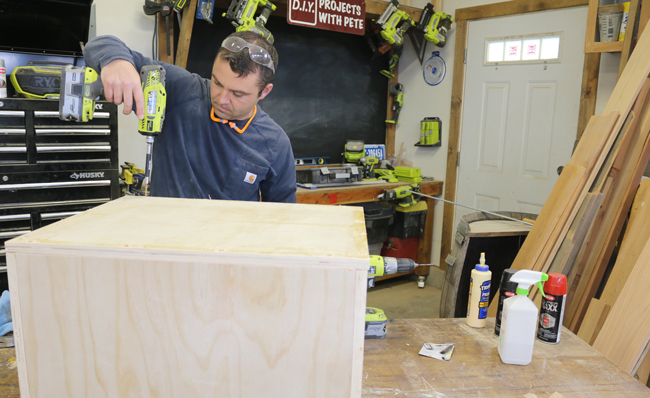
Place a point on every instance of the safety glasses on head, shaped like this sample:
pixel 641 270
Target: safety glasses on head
pixel 257 53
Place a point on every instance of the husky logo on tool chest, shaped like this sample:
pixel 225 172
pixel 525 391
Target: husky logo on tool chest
pixel 97 174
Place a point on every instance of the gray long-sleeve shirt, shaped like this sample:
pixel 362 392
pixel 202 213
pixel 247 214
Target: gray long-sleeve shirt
pixel 195 157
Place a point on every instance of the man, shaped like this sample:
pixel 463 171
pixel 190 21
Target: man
pixel 216 142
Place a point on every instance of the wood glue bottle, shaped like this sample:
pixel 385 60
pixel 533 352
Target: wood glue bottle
pixel 479 294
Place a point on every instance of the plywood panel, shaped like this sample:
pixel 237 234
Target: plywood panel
pixel 207 226
pixel 160 297
pixel 493 126
pixel 170 329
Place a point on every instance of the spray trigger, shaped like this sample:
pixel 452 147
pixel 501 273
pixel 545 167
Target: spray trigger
pixel 540 284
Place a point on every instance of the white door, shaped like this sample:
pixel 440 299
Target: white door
pixel 519 120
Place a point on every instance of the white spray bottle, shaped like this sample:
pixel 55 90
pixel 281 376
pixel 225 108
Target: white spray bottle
pixel 519 320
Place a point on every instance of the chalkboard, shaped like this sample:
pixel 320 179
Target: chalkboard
pixel 327 88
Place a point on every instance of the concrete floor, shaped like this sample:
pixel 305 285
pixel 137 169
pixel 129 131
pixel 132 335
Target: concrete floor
pixel 401 298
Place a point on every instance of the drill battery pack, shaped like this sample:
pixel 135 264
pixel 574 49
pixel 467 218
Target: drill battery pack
pixel 376 322
pixel 38 79
pixel 408 174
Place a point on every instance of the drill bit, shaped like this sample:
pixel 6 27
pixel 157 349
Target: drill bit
pixel 147 166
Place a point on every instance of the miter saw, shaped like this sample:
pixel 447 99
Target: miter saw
pixel 241 14
pixel 388 33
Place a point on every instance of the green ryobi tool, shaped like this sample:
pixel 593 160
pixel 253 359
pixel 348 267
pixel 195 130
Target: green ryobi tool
pixel 430 130
pixel 354 151
pixel 155 97
pixel 38 79
pixel 379 266
pixel 80 88
pixel 241 14
pixel 401 196
pixel 434 25
pixel 398 100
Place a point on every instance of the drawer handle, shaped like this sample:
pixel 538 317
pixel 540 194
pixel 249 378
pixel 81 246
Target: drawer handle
pixel 13 234
pixel 72 131
pixel 79 148
pixel 12 113
pixel 97 115
pixel 15 217
pixel 52 216
pixel 13 131
pixel 10 149
pixel 15 187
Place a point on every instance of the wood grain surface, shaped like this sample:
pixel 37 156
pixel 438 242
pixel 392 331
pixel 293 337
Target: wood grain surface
pixel 393 368
pixel 160 297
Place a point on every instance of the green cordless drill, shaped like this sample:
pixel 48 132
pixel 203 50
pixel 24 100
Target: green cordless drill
pixel 241 14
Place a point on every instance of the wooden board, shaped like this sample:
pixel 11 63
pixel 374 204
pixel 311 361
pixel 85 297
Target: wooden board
pixel 629 167
pixel 594 320
pixel 590 74
pixel 572 368
pixel 626 331
pixel 453 144
pixel 555 208
pixel 636 234
pixel 514 7
pixel 630 39
pixel 159 297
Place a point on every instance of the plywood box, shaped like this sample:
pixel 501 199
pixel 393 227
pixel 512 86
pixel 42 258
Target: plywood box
pixel 159 297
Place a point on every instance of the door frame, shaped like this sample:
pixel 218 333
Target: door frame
pixel 463 16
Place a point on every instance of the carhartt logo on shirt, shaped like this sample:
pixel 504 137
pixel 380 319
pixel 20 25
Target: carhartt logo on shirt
pixel 250 178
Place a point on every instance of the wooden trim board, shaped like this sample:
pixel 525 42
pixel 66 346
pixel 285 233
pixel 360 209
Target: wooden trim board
pixel 514 7
pixel 626 331
pixel 453 144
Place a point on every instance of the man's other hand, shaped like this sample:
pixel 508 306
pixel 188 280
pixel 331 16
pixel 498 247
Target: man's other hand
pixel 122 85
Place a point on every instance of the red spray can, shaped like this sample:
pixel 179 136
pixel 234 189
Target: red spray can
pixel 551 314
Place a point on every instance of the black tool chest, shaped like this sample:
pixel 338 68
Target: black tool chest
pixel 51 169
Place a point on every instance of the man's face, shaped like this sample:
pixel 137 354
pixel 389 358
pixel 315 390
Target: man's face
pixel 234 97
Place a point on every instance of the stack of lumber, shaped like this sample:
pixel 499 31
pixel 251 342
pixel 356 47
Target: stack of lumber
pixel 577 230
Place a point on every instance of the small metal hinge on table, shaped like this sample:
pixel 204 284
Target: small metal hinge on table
pixel 450 260
pixel 460 238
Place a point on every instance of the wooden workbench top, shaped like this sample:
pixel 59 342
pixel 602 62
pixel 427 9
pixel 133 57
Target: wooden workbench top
pixel 572 368
pixel 393 368
pixel 359 193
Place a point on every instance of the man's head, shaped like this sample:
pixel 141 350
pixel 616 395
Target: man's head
pixel 241 75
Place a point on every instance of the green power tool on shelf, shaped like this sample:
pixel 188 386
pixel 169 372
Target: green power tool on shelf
pixel 401 196
pixel 393 24
pixel 398 100
pixel 434 25
pixel 379 266
pixel 241 14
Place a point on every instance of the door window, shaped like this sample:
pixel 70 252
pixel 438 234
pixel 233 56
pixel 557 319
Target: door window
pixel 541 48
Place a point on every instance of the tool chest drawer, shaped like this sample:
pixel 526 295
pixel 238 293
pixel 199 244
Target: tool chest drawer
pixel 51 169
